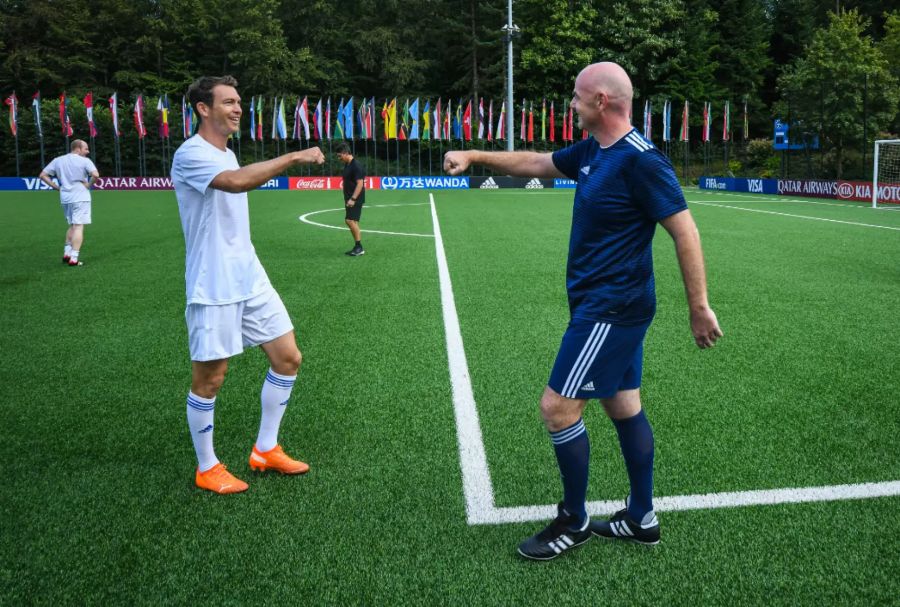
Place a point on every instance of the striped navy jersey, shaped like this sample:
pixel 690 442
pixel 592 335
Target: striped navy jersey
pixel 622 192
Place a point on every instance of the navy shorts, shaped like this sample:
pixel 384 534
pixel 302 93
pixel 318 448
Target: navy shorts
pixel 597 359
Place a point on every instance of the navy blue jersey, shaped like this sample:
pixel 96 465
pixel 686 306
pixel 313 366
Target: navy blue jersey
pixel 623 191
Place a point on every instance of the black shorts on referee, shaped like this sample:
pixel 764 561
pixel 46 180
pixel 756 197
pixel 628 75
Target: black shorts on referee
pixel 353 213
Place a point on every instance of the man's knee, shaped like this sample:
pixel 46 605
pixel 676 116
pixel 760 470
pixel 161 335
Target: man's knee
pixel 288 363
pixel 208 381
pixel 559 412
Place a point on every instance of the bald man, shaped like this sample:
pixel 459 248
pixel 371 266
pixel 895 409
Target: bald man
pixel 75 174
pixel 625 186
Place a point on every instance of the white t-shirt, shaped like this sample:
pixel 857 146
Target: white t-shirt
pixel 221 266
pixel 71 171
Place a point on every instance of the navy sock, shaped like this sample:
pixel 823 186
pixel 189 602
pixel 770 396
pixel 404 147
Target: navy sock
pixel 573 454
pixel 636 441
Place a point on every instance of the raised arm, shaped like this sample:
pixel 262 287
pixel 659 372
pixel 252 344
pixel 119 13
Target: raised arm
pixel 254 175
pixel 519 164
pixel 683 230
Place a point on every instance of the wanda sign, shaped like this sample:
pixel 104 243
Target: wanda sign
pixel 327 183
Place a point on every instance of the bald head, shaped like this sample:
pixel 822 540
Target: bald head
pixel 77 145
pixel 608 78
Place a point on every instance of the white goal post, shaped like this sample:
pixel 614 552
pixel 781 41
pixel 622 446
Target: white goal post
pixel 886 172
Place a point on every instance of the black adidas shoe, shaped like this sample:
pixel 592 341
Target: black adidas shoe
pixel 622 527
pixel 563 533
pixel 356 252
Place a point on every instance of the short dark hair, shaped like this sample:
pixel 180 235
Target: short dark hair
pixel 201 89
pixel 342 148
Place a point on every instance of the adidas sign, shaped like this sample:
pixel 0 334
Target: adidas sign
pixel 489 184
pixel 586 169
pixel 534 184
pixel 588 387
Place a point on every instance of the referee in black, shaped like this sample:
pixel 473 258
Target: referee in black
pixel 354 195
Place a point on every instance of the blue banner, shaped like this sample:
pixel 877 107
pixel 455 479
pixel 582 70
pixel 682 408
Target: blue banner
pixel 23 183
pixel 564 183
pixel 120 183
pixel 425 183
pixel 739 184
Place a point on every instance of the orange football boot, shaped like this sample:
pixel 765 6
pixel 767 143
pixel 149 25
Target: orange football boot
pixel 219 480
pixel 276 459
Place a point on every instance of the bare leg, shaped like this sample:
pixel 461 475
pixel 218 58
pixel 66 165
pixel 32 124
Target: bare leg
pixel 354 229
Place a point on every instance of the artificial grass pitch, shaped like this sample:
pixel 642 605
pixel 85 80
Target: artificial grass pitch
pixel 98 504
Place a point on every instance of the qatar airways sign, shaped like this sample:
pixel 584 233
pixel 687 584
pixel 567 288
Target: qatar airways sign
pixel 842 190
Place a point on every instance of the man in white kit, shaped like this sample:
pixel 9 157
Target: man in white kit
pixel 230 302
pixel 76 174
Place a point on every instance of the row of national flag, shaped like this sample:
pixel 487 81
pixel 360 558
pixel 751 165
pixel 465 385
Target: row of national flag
pixel 466 120
pixel 65 119
pixel 684 132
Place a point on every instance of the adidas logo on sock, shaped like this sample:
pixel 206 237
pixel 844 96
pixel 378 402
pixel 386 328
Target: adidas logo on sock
pixel 206 429
pixel 586 169
pixel 534 184
pixel 588 387
pixel 489 184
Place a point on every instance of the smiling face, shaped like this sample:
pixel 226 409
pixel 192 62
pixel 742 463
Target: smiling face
pixel 224 115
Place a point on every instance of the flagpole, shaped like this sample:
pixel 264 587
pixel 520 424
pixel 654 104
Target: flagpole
pixel 17 150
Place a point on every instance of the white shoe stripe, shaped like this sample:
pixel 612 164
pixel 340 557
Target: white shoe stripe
pixel 556 548
pixel 566 540
pixel 591 357
pixel 587 344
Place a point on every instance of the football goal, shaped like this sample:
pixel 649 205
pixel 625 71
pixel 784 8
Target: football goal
pixel 886 172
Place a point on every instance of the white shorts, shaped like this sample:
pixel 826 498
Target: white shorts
pixel 217 332
pixel 77 213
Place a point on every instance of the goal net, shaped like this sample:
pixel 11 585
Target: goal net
pixel 886 173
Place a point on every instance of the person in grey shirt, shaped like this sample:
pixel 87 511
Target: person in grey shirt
pixel 75 174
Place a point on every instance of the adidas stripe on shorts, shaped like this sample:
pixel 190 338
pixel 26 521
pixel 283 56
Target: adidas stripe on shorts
pixel 217 332
pixel 597 359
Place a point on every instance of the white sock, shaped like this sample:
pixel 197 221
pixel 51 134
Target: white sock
pixel 276 391
pixel 73 255
pixel 68 250
pixel 200 413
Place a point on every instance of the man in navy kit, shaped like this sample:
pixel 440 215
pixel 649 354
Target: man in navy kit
pixel 625 187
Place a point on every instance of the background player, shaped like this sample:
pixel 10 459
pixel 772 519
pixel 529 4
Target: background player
pixel 354 186
pixel 76 174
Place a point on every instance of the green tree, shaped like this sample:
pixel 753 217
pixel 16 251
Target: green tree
pixel 827 83
pixel 557 41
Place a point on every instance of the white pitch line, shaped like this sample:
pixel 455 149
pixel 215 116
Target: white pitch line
pixel 478 489
pixel 708 501
pixel 304 219
pixel 852 223
pixel 866 206
pixel 476 477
